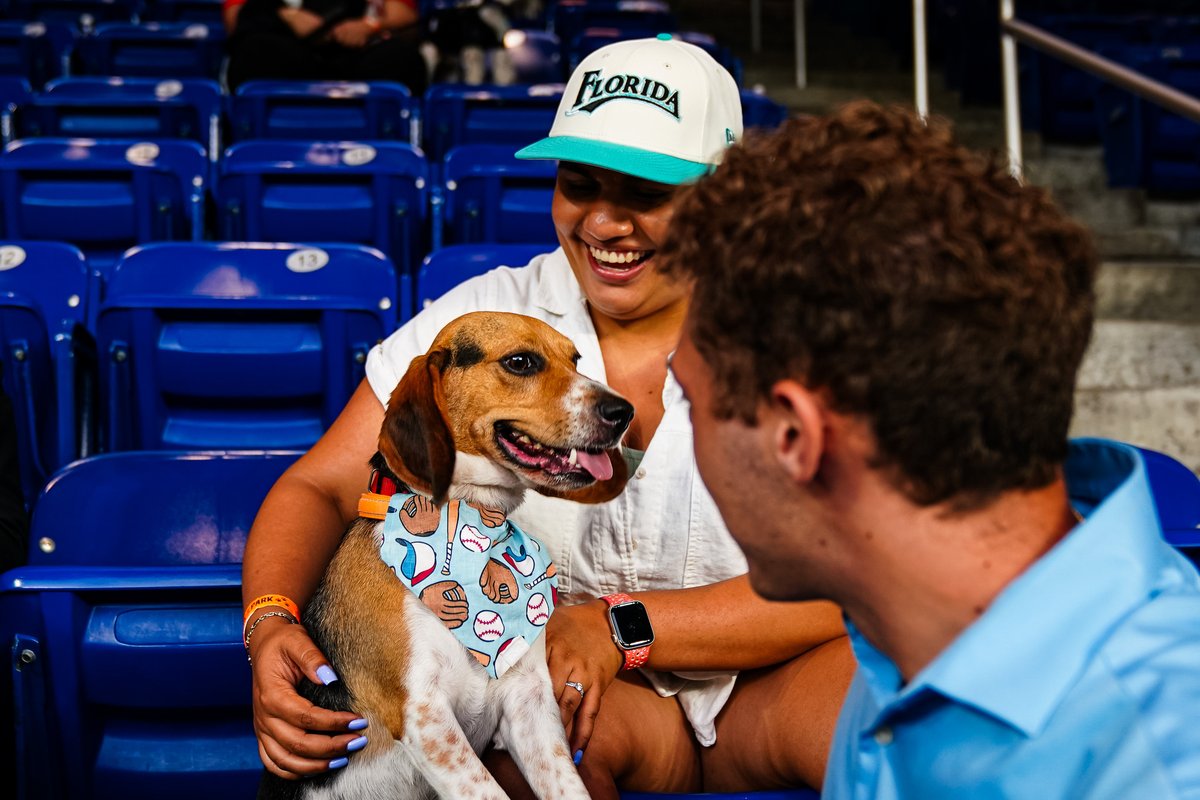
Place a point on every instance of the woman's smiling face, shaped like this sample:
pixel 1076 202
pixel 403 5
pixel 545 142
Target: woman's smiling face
pixel 610 225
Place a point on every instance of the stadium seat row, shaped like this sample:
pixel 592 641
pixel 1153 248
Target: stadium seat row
pixel 199 345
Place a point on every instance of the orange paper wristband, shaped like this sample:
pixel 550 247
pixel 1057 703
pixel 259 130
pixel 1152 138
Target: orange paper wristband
pixel 271 600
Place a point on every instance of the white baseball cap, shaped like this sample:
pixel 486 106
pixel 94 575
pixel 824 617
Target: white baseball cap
pixel 658 109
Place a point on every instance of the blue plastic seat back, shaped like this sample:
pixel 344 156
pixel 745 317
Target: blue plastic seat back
pixel 152 50
pixel 142 108
pixel 325 110
pixel 572 17
pixel 1176 491
pixel 44 352
pixel 372 193
pixel 536 55
pixel 510 115
pixel 491 196
pixel 14 93
pixel 34 50
pixel 237 345
pixel 760 111
pixel 446 268
pixel 115 193
pixel 136 683
pixel 205 11
pixel 1171 143
pixel 80 14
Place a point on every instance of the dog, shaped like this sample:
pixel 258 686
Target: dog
pixel 496 407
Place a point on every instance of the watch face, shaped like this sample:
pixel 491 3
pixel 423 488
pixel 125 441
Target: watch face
pixel 632 625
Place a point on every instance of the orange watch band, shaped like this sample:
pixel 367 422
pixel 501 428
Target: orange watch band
pixel 635 657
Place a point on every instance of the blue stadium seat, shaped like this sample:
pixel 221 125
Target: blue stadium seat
pixel 205 11
pixel 35 51
pixel 114 193
pixel 1176 491
pixel 444 269
pixel 486 194
pixel 142 108
pixel 572 17
pixel 237 345
pixel 130 679
pixel 152 50
pixel 536 55
pixel 365 193
pixel 511 115
pixel 760 111
pixel 79 14
pixel 325 110
pixel 14 93
pixel 47 356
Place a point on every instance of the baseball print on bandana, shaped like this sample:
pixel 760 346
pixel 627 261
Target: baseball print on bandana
pixel 489 582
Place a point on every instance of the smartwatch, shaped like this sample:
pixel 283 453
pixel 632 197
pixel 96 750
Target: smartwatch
pixel 631 630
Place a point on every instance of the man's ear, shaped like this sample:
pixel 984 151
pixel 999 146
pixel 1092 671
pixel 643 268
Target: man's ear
pixel 798 417
pixel 416 439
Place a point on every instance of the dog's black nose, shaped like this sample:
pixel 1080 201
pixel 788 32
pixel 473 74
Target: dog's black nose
pixel 615 411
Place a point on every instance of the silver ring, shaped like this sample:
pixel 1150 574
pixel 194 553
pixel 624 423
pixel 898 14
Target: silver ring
pixel 577 686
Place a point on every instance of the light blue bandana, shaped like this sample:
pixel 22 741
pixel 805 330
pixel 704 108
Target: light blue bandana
pixel 489 582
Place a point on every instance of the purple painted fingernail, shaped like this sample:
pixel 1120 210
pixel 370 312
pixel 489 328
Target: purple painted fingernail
pixel 578 757
pixel 357 724
pixel 326 674
pixel 338 763
pixel 357 744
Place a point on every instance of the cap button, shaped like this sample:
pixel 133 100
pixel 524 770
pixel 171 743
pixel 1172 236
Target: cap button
pixel 663 37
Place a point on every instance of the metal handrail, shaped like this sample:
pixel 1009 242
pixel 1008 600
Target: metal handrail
pixel 1013 29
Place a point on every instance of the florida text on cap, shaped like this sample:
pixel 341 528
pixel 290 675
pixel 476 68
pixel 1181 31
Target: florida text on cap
pixel 658 109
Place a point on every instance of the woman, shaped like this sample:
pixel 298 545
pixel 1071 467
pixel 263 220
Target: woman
pixel 637 120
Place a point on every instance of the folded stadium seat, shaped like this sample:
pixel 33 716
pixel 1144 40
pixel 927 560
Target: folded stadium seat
pixel 142 108
pixel 486 194
pixel 446 268
pixel 325 110
pixel 1059 100
pixel 47 356
pixel 536 55
pixel 572 17
pixel 152 50
pixel 102 195
pixel 129 676
pixel 1171 143
pixel 372 193
pixel 205 11
pixel 760 111
pixel 79 14
pixel 510 115
pixel 237 345
pixel 14 93
pixel 36 51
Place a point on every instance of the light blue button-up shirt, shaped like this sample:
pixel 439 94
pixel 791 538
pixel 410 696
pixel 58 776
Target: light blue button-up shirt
pixel 1081 680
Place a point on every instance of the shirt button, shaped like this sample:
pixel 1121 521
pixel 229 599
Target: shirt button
pixel 641 473
pixel 884 736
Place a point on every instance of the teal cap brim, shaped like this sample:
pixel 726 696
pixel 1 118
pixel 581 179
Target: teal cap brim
pixel 617 157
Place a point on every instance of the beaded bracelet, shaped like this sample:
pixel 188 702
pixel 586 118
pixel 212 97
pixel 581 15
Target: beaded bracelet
pixel 291 621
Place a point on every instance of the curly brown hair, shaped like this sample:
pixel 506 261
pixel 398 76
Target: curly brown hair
pixel 913 282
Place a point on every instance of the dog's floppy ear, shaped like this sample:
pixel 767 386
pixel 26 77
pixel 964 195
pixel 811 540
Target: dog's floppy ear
pixel 600 491
pixel 416 439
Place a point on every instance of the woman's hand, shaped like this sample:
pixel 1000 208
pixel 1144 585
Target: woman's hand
pixel 295 737
pixel 580 649
pixel 354 32
pixel 301 21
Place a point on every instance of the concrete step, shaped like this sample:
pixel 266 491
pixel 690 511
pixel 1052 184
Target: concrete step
pixel 1140 383
pixel 1149 291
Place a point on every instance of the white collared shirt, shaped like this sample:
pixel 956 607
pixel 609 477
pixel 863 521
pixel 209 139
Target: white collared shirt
pixel 662 532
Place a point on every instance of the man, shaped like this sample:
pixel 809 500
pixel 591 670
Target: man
pixel 880 356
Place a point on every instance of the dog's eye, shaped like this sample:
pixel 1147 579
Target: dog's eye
pixel 522 363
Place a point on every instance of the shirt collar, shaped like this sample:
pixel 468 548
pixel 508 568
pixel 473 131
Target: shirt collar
pixel 1008 665
pixel 557 290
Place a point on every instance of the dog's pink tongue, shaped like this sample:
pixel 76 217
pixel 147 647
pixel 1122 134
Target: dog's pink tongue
pixel 596 463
